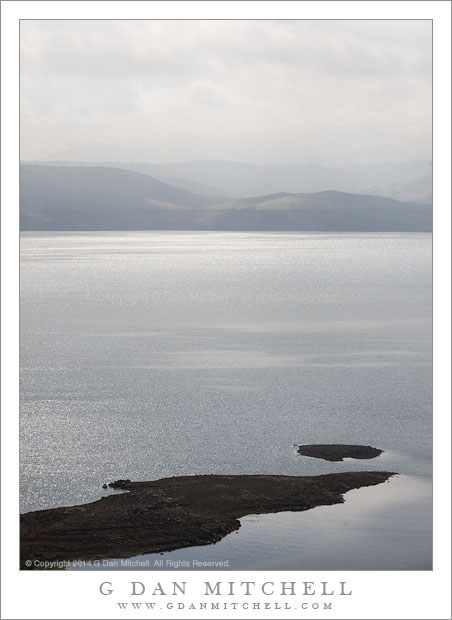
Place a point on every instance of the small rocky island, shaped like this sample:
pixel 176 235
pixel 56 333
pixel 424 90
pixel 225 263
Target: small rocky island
pixel 172 513
pixel 338 452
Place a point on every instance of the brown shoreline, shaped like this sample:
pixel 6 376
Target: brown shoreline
pixel 338 452
pixel 173 513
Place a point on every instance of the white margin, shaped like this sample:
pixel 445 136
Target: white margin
pixel 379 595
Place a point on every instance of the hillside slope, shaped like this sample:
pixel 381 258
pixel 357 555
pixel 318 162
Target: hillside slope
pixel 409 180
pixel 100 198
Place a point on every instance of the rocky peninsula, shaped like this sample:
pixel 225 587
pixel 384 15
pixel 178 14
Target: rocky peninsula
pixel 172 513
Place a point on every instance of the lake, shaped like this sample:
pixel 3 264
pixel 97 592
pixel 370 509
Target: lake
pixel 152 354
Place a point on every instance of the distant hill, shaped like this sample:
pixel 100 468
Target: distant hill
pixel 98 198
pixel 414 190
pixel 322 211
pixel 410 180
pixel 247 180
pixel 190 186
pixel 102 198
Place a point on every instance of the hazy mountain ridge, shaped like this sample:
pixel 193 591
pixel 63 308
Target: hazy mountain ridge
pixel 410 180
pixel 102 198
pixel 414 190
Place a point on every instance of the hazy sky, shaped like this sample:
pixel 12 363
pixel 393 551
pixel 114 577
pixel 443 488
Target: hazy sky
pixel 333 92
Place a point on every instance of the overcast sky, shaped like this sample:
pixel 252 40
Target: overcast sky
pixel 332 92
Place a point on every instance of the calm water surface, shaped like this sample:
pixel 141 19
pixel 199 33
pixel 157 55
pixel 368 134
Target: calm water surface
pixel 152 354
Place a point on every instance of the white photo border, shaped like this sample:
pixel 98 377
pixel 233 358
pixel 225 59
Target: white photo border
pixel 59 594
